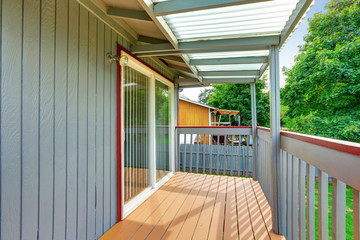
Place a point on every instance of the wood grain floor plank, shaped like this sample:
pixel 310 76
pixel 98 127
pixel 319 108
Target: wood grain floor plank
pixel 244 223
pixel 181 215
pixel 189 225
pixel 257 221
pixel 203 225
pixel 231 225
pixel 217 222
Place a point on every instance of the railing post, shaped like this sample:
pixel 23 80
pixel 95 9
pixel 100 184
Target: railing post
pixel 254 126
pixel 275 139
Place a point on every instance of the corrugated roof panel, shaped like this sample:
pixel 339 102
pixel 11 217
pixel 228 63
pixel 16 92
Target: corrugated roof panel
pixel 268 18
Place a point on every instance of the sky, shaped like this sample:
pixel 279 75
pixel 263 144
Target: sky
pixel 287 53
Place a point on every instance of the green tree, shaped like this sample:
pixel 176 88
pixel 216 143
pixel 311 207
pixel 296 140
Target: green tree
pixel 323 86
pixel 238 97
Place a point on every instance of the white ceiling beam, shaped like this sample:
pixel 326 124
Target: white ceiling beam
pixel 229 73
pixel 262 70
pixel 173 59
pixel 128 13
pixel 180 6
pixel 180 68
pixel 220 61
pixel 193 51
pixel 146 39
pixel 229 80
pixel 296 16
pixel 210 44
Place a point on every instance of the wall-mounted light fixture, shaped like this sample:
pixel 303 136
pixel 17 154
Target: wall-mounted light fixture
pixel 123 60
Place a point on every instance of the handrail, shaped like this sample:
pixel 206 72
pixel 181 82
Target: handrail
pixel 216 130
pixel 305 159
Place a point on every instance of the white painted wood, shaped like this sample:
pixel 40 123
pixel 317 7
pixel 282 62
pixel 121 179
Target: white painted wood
pixel 338 210
pixel 184 157
pixel 310 207
pixel 217 155
pixel 197 152
pixel 239 60
pixel 326 159
pixel 128 13
pixel 225 144
pixel 323 205
pixel 191 148
pixel 232 155
pixel 204 145
pixel 254 131
pixel 275 137
pixel 247 156
pixel 30 119
pixel 263 134
pixel 295 199
pixel 228 73
pixel 284 182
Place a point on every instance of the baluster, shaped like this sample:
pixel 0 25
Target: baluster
pixel 302 171
pixel 289 196
pixel 310 202
pixel 184 163
pixel 204 145
pixel 295 199
pixel 283 189
pixel 232 155
pixel 210 160
pixel 178 154
pixel 239 156
pixel 225 144
pixel 197 152
pixel 247 155
pixel 217 156
pixel 323 205
pixel 356 215
pixel 338 210
pixel 191 148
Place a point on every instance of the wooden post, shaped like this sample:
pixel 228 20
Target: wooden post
pixel 254 126
pixel 275 139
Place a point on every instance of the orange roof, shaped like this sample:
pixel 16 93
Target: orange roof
pixel 232 112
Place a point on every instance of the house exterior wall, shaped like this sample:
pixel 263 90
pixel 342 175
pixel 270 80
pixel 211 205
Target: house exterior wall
pixel 192 114
pixel 58 121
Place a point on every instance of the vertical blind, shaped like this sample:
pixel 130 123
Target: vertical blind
pixel 136 127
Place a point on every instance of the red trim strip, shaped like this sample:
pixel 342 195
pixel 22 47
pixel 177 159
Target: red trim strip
pixel 138 59
pixel 119 182
pixel 264 129
pixel 213 127
pixel 338 145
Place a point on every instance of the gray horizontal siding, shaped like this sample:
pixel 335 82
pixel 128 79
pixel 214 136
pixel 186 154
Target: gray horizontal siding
pixel 58 121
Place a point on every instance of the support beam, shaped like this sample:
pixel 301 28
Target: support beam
pixel 275 140
pixel 209 44
pixel 295 18
pixel 193 51
pixel 151 40
pixel 128 13
pixel 180 68
pixel 229 80
pixel 180 6
pixel 173 59
pixel 220 61
pixel 262 70
pixel 229 73
pixel 254 126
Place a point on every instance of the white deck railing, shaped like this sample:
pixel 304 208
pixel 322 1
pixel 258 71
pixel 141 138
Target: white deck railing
pixel 220 150
pixel 304 160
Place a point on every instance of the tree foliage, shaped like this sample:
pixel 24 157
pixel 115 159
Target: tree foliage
pixel 238 97
pixel 323 87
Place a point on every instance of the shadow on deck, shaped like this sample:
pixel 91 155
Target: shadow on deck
pixel 198 206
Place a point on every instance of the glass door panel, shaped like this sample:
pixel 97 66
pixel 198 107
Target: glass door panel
pixel 162 132
pixel 136 130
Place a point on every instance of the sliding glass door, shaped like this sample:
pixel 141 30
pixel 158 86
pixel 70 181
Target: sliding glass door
pixel 147 132
pixel 136 121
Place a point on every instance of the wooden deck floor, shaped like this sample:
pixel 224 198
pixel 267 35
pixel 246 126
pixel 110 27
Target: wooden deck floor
pixel 197 206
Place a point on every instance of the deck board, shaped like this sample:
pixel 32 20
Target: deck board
pixel 198 206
